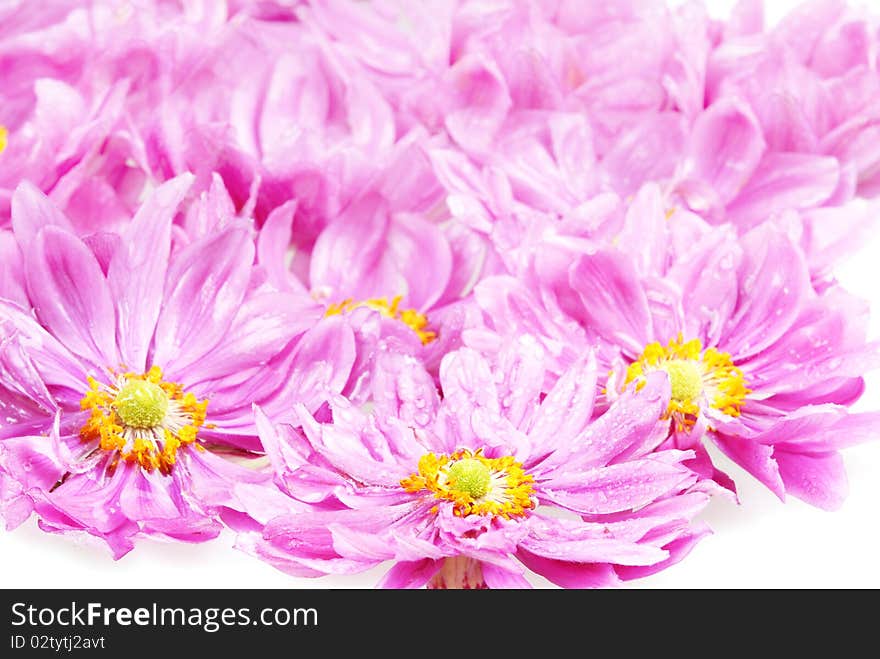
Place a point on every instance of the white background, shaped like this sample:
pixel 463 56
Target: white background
pixel 762 543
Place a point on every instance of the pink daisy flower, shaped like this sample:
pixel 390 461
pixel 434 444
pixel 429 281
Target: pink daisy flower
pixel 467 492
pixel 128 372
pixel 392 264
pixel 753 352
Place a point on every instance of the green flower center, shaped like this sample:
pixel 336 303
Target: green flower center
pixel 471 476
pixel 685 379
pixel 141 404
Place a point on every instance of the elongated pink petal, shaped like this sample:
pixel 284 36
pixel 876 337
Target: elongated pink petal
pixel 404 390
pixel 137 272
pixel 614 301
pixel 71 296
pixel 757 459
pixel 33 211
pixel 54 362
pixel 724 148
pixel 206 284
pixel 480 102
pixel 773 281
pixel 567 407
pixel 784 181
pixel 626 486
pixel 146 496
pixel 569 574
pixel 273 244
pixel 818 479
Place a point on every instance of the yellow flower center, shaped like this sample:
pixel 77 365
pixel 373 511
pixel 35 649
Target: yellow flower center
pixel 695 375
pixel 141 404
pixel 416 321
pixel 4 134
pixel 470 476
pixel 685 378
pixel 142 419
pixel 476 485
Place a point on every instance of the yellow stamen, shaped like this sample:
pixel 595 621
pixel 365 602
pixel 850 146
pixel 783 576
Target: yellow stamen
pixel 694 373
pixel 416 321
pixel 142 419
pixel 476 485
pixel 4 135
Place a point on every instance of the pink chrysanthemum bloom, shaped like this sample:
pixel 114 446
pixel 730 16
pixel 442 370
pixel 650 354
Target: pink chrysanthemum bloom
pixel 84 96
pixel 470 491
pixel 391 263
pixel 472 68
pixel 281 116
pixel 562 108
pixel 729 173
pixel 790 122
pixel 812 83
pixel 128 370
pixel 759 362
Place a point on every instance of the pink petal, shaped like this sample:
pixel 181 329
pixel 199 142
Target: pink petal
pixel 577 543
pixel 273 244
pixel 146 496
pixel 410 574
pixel 804 26
pixel 567 407
pixel 420 254
pixel 818 479
pixel 479 102
pixel 32 211
pixel 71 296
pixel 137 272
pixel 708 279
pixel 94 504
pixel 568 574
pixel 632 427
pixel 773 281
pixel 678 549
pixel 282 443
pixel 724 148
pixel 841 49
pixel 468 384
pixel 54 362
pixel 321 366
pixel 782 181
pixel 206 284
pixel 346 252
pixel 821 429
pixel 12 278
pixel 365 254
pixel 626 486
pixel 757 459
pixel 263 326
pixel 218 482
pixel 402 389
pixel 614 301
pixel 646 152
pixel 497 577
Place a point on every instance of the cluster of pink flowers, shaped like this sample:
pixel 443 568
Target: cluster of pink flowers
pixel 464 287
